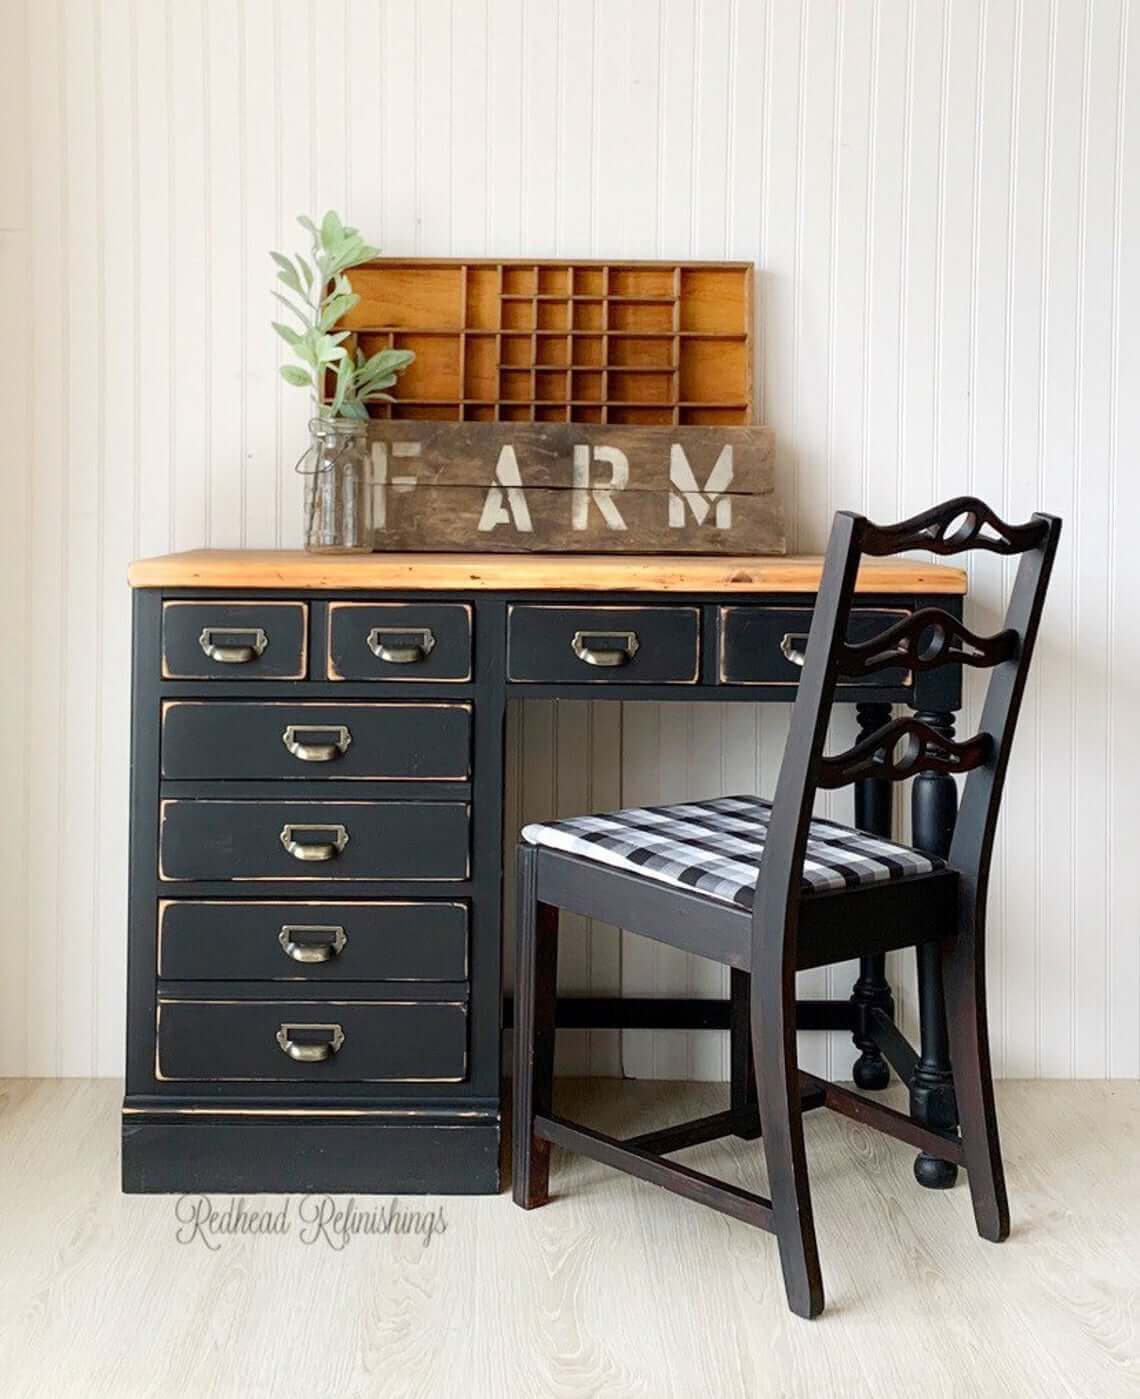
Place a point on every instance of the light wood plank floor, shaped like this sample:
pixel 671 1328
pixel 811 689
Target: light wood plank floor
pixel 614 1289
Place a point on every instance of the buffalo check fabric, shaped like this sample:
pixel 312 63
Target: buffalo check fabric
pixel 716 847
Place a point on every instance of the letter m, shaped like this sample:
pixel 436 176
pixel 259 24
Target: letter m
pixel 686 491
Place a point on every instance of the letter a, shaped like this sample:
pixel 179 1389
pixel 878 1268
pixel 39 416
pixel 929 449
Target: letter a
pixel 515 511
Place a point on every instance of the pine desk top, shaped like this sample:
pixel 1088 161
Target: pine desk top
pixel 695 573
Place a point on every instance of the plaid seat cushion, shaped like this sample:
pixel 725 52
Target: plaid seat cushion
pixel 716 847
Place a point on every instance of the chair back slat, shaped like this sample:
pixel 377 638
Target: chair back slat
pixel 903 748
pixel 954 527
pixel 925 640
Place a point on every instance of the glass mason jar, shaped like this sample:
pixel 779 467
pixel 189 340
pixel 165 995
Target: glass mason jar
pixel 338 487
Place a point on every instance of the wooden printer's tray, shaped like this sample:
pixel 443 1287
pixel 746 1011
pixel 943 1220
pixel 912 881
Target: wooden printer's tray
pixel 662 343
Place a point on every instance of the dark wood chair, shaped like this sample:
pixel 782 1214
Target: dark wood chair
pixel 769 891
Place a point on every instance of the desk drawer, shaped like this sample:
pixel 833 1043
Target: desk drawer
pixel 603 645
pixel 413 641
pixel 313 840
pixel 753 641
pixel 220 739
pixel 377 940
pixel 313 1041
pixel 234 640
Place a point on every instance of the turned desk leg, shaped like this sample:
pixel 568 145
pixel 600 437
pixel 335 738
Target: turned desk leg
pixel 934 808
pixel 871 991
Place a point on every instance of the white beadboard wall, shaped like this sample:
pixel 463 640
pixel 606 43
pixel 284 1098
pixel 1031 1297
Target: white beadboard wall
pixel 941 199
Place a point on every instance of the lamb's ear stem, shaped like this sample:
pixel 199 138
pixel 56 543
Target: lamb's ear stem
pixel 348 366
pixel 342 381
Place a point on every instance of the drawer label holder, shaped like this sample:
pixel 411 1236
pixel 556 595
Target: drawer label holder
pixel 298 838
pixel 312 942
pixel 309 1043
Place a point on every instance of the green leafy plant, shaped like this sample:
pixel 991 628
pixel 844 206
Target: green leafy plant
pixel 321 295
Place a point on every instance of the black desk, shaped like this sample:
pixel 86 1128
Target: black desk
pixel 314 993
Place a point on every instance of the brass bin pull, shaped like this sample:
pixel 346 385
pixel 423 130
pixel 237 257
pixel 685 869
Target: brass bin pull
pixel 582 644
pixel 310 1051
pixel 312 942
pixel 793 645
pixel 316 752
pixel 402 653
pixel 233 654
pixel 300 843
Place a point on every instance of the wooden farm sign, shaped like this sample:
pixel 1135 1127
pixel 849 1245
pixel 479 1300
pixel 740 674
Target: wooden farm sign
pixel 574 488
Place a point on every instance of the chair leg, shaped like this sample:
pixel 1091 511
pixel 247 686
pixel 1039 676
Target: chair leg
pixel 742 1064
pixel 536 979
pixel 964 977
pixel 778 1085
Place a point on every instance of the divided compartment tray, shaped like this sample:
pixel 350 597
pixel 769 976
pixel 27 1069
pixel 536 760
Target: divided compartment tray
pixel 637 343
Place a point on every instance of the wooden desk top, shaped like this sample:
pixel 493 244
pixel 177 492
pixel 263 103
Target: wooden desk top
pixel 697 573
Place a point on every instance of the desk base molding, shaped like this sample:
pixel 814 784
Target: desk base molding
pixel 168 1153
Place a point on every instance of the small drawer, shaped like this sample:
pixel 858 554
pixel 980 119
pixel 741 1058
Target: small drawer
pixel 755 643
pixel 414 641
pixel 313 840
pixel 603 645
pixel 234 640
pixel 389 741
pixel 312 1041
pixel 378 940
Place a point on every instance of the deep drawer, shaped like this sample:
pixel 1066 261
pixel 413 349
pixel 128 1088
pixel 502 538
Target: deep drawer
pixel 755 642
pixel 313 1041
pixel 313 840
pixel 234 640
pixel 603 645
pixel 413 641
pixel 219 739
pixel 232 940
